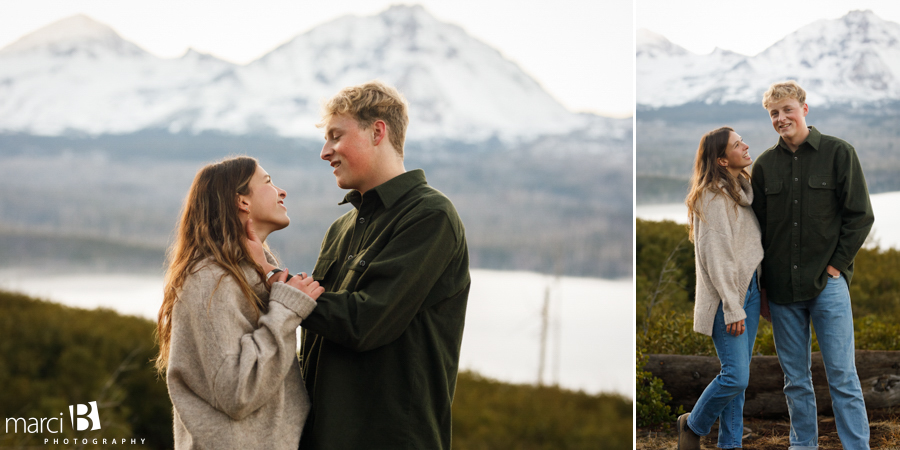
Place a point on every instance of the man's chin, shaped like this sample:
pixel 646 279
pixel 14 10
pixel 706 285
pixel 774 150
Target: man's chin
pixel 343 184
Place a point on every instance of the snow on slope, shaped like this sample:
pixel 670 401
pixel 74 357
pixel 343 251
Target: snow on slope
pixel 854 59
pixel 79 75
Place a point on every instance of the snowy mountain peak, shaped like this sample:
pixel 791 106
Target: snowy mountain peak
pixel 78 34
pixel 458 87
pixel 861 17
pixel 650 44
pixel 852 59
pixel 399 12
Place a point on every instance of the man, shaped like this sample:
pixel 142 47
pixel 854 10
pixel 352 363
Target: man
pixel 813 207
pixel 380 352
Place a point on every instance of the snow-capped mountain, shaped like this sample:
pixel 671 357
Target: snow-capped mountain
pixel 854 59
pixel 79 75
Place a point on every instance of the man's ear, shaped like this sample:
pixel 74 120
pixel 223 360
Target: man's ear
pixel 805 109
pixel 379 131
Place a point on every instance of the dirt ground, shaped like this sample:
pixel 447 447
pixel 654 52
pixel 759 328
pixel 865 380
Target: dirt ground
pixel 773 434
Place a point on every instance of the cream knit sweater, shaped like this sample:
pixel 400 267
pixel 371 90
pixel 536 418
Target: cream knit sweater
pixel 728 249
pixel 234 379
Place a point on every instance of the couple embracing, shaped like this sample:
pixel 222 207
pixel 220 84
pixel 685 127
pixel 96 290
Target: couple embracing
pixel 778 243
pixel 381 314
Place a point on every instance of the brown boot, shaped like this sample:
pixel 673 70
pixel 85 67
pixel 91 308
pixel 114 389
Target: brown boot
pixel 687 440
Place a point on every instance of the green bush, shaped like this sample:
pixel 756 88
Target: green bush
pixel 874 290
pixel 873 333
pixel 652 399
pixel 672 334
pixel 52 356
pixel 488 414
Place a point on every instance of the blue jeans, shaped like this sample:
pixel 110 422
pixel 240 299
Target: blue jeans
pixel 830 313
pixel 723 398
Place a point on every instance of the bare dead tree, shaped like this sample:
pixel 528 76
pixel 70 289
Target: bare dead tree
pixel 666 277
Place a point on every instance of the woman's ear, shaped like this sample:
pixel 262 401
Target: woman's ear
pixel 243 203
pixel 722 162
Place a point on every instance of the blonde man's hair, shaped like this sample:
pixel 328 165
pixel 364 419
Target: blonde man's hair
pixel 782 90
pixel 369 102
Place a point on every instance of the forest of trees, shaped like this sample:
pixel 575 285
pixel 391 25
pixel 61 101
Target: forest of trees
pixel 557 205
pixel 668 139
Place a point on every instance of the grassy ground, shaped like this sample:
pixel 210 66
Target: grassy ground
pixel 884 427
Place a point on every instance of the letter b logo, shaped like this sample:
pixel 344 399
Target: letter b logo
pixel 84 417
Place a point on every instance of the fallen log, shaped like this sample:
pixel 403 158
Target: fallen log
pixel 685 377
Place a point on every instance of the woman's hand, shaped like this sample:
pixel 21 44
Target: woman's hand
pixel 735 329
pixel 255 247
pixel 306 285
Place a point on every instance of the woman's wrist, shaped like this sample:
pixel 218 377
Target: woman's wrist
pixel 268 268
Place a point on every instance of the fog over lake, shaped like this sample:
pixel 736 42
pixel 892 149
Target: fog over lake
pixel 885 233
pixel 590 339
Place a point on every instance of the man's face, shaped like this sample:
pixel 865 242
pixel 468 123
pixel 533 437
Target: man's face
pixel 789 118
pixel 350 150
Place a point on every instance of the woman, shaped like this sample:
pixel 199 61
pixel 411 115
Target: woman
pixel 728 249
pixel 227 342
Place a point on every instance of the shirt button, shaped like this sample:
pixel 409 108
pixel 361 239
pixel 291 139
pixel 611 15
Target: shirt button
pixel 795 266
pixel 795 202
pixel 796 179
pixel 349 257
pixel 362 220
pixel 795 224
pixel 795 158
pixel 824 183
pixel 362 263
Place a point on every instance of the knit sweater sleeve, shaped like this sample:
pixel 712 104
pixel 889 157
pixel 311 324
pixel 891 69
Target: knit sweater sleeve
pixel 716 255
pixel 234 364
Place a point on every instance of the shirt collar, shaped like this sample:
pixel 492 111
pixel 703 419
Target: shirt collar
pixel 390 191
pixel 813 139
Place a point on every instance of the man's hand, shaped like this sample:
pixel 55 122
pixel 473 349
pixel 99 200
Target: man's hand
pixel 255 247
pixel 832 272
pixel 306 285
pixel 735 329
pixel 764 306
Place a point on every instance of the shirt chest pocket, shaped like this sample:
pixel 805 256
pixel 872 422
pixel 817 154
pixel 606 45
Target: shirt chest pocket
pixel 776 201
pixel 822 201
pixel 354 267
pixel 323 265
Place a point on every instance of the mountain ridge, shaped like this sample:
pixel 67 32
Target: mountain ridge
pixel 458 87
pixel 854 59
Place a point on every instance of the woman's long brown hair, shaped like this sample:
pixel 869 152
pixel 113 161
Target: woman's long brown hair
pixel 209 227
pixel 708 174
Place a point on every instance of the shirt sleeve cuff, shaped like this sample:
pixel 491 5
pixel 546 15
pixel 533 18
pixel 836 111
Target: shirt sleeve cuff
pixel 293 298
pixel 839 265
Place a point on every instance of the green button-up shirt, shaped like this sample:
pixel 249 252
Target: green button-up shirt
pixel 813 209
pixel 380 352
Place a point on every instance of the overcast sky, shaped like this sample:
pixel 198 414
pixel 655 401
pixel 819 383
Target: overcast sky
pixel 581 51
pixel 746 27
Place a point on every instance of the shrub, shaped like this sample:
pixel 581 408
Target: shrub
pixel 652 399
pixel 488 414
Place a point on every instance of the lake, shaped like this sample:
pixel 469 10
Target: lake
pixel 885 233
pixel 590 339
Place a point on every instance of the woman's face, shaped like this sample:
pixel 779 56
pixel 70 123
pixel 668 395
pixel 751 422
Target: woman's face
pixel 737 155
pixel 265 203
